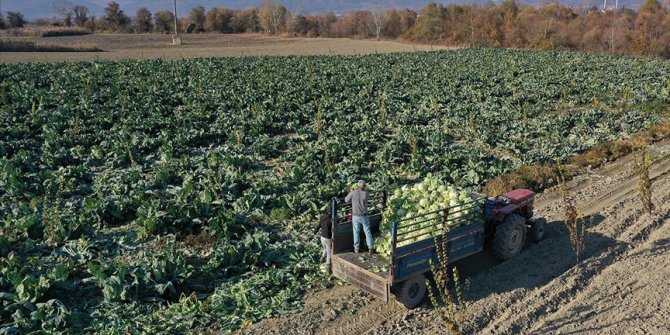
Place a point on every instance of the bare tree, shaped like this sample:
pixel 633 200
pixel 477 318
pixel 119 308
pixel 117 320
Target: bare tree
pixel 64 8
pixel 80 15
pixel 614 25
pixel 293 18
pixel 379 16
pixel 272 16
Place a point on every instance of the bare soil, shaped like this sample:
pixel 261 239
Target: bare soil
pixel 143 46
pixel 622 285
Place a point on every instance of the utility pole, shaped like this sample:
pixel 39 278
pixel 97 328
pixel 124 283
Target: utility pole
pixel 176 38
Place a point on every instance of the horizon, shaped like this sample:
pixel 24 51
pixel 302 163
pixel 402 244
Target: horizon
pixel 44 9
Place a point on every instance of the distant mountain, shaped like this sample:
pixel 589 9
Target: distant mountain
pixel 44 8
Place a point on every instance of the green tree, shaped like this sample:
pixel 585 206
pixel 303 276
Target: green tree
pixel 143 21
pixel 115 18
pixel 15 20
pixel 197 17
pixel 430 22
pixel 163 21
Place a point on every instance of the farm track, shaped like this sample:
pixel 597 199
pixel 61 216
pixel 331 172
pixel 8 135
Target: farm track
pixel 627 189
pixel 627 181
pixel 158 46
pixel 620 286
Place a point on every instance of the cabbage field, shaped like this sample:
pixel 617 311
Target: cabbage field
pixel 178 196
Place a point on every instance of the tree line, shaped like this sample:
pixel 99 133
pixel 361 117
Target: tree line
pixel 644 31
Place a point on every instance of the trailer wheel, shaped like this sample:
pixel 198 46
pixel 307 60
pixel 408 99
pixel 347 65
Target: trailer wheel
pixel 509 237
pixel 537 229
pixel 411 292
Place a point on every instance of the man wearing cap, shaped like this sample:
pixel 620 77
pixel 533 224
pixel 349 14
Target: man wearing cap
pixel 359 216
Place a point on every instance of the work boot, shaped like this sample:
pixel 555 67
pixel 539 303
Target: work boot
pixel 372 251
pixel 355 251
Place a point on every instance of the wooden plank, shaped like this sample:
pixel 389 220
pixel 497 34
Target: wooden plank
pixel 364 279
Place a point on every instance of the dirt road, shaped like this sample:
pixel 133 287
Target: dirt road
pixel 622 285
pixel 151 46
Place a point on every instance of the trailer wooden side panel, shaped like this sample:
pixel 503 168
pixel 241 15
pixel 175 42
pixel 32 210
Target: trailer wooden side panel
pixel 362 278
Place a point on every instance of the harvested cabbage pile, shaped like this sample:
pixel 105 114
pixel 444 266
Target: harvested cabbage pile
pixel 430 195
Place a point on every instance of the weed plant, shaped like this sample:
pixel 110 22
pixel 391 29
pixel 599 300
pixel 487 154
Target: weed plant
pixel 644 187
pixel 573 217
pixel 452 313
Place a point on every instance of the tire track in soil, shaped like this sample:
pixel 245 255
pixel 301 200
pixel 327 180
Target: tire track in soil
pixel 365 321
pixel 628 188
pixel 338 310
pixel 627 177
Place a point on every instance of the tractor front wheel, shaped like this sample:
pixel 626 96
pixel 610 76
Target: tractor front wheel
pixel 411 292
pixel 509 237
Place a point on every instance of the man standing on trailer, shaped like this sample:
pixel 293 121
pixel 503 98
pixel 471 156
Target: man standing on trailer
pixel 359 216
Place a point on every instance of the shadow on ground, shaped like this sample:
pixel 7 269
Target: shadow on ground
pixel 537 264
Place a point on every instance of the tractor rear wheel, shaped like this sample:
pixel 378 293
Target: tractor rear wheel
pixel 509 237
pixel 411 292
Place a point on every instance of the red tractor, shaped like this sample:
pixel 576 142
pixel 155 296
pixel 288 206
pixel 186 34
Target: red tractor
pixel 507 219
